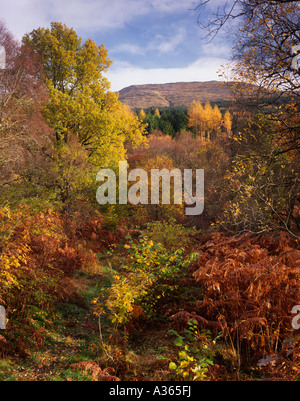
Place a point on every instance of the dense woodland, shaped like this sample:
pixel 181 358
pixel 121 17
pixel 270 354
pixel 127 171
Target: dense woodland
pixel 144 292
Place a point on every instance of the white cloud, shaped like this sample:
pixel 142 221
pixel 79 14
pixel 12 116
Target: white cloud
pixel 160 44
pixel 23 16
pixel 124 74
pixel 216 48
pixel 128 48
pixel 93 16
pixel 88 15
pixel 170 6
pixel 167 45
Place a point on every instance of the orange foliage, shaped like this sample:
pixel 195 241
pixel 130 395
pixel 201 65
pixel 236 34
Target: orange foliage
pixel 39 254
pixel 249 287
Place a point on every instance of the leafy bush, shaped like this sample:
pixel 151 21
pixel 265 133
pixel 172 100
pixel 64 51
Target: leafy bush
pixel 195 355
pixel 151 274
pixel 168 232
pixel 35 261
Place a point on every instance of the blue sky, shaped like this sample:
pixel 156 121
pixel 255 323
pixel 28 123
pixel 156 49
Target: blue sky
pixel 149 41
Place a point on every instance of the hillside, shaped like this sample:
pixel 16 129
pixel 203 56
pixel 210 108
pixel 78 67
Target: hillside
pixel 173 94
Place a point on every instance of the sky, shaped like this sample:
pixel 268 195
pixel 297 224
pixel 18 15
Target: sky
pixel 149 41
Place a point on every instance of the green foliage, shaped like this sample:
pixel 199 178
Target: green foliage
pixel 196 353
pixel 79 98
pixel 68 64
pixel 151 274
pixel 36 256
pixel 168 232
pixel 169 121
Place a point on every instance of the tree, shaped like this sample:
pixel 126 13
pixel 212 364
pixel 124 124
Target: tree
pixel 262 60
pixel 165 125
pixel 206 121
pixel 157 113
pixel 68 64
pixel 196 117
pixel 264 81
pixel 152 122
pixel 231 10
pixel 227 122
pixel 188 151
pixel 216 119
pixel 142 114
pixel 261 188
pixel 180 120
pixel 22 95
pixel 80 102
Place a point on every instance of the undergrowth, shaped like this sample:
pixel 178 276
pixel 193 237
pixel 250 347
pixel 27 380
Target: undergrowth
pixel 83 309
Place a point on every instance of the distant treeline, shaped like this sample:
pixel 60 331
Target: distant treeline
pixel 171 120
pixel 168 120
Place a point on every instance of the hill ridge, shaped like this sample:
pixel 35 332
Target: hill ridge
pixel 173 94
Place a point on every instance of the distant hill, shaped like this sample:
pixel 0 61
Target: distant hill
pixel 173 94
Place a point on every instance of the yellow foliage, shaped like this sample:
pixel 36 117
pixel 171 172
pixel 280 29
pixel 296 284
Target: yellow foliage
pixel 207 121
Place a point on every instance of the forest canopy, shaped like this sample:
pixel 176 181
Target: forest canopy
pixel 80 102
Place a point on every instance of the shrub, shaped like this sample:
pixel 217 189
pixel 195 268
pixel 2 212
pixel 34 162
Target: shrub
pixel 151 274
pixel 195 354
pixel 35 261
pixel 167 233
pixel 249 286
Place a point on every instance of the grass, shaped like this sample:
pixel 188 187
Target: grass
pixel 71 336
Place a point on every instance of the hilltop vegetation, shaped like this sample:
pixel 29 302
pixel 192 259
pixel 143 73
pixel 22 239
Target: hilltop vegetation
pixel 144 292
